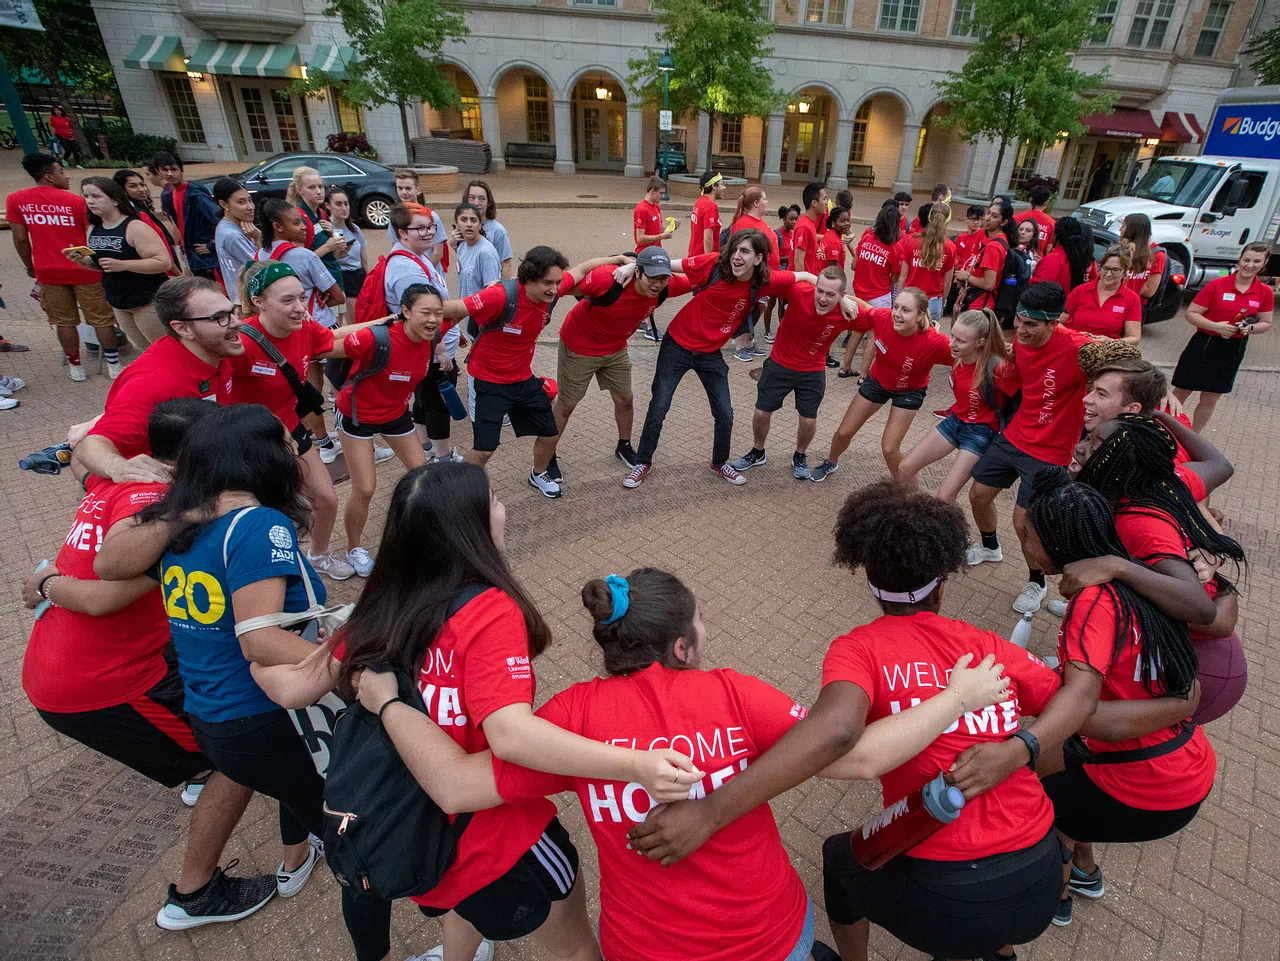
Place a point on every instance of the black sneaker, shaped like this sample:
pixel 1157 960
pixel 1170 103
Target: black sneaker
pixel 820 952
pixel 553 469
pixel 832 362
pixel 749 460
pixel 1062 916
pixel 1088 885
pixel 626 453
pixel 224 898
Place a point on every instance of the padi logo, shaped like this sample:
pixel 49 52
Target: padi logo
pixel 1248 127
pixel 1214 232
pixel 280 536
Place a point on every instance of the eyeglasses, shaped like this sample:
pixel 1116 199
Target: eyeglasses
pixel 222 318
pixel 421 231
pixel 1111 270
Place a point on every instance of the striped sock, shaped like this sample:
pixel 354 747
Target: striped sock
pixel 112 354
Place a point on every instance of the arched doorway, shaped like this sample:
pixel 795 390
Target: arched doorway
pixel 599 123
pixel 877 136
pixel 463 121
pixel 526 111
pixel 940 152
pixel 809 125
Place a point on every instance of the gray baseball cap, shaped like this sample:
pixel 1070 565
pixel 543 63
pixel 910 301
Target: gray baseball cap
pixel 654 262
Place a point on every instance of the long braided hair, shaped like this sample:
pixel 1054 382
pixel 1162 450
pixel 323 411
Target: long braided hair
pixel 1135 466
pixel 1075 522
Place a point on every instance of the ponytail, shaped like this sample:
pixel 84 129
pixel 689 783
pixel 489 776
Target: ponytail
pixel 995 351
pixel 933 240
pixel 746 200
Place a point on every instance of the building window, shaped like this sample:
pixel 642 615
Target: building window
pixel 858 143
pixel 731 134
pixel 183 104
pixel 1150 23
pixel 920 142
pixel 1025 163
pixel 1105 21
pixel 901 15
pixel 595 3
pixel 285 120
pixel 537 110
pixel 469 112
pixel 1211 30
pixel 827 12
pixel 350 115
pixel 962 22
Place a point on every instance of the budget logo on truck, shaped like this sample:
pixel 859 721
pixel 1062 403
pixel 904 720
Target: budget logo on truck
pixel 1245 130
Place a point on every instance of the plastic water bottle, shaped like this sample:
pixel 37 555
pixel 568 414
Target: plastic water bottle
pixel 1022 630
pixel 43 605
pixel 906 822
pixel 457 409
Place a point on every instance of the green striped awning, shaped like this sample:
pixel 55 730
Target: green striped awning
pixel 156 53
pixel 331 60
pixel 228 59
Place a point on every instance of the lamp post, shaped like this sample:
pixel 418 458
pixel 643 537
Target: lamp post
pixel 666 66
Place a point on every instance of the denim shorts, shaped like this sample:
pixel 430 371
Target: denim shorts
pixel 872 390
pixel 973 438
pixel 935 307
pixel 805 945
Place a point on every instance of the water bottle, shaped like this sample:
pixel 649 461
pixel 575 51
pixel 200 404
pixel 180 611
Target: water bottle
pixel 457 409
pixel 1022 630
pixel 43 605
pixel 51 460
pixel 906 822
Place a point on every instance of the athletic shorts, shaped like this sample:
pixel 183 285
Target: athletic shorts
pixel 1084 812
pixel 402 426
pixel 872 390
pixel 776 382
pixel 974 438
pixel 574 372
pixel 63 303
pixel 525 402
pixel 149 734
pixel 520 901
pixel 949 909
pixel 1002 464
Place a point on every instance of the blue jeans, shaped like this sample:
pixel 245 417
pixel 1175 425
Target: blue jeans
pixel 674 362
pixel 935 308
pixel 805 945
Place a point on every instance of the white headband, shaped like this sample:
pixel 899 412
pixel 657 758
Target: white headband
pixel 904 597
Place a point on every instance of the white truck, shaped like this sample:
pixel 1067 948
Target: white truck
pixel 1204 209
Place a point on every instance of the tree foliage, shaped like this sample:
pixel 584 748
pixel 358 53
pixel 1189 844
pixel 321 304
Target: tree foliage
pixel 1019 82
pixel 1263 52
pixel 718 48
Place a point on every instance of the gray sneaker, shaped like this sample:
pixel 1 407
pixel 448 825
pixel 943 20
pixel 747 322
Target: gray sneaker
pixel 224 898
pixel 758 351
pixel 800 466
pixel 749 460
pixel 819 473
pixel 745 355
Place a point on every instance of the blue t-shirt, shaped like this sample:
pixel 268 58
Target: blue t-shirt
pixel 197 593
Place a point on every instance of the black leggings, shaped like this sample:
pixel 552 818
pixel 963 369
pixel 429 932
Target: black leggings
pixel 429 408
pixel 1084 812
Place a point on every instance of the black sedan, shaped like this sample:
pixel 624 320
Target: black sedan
pixel 370 186
pixel 1167 299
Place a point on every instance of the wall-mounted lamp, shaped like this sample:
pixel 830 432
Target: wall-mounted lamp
pixel 1152 142
pixel 194 75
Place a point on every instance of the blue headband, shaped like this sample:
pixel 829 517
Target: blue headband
pixel 621 592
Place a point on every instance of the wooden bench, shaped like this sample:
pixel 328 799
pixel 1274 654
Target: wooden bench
pixel 731 165
pixel 861 175
pixel 530 154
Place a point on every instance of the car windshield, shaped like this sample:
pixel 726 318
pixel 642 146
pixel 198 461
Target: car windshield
pixel 1177 182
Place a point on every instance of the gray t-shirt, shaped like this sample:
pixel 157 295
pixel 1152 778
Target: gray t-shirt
pixel 497 235
pixel 315 278
pixel 355 244
pixel 401 272
pixel 234 250
pixel 478 266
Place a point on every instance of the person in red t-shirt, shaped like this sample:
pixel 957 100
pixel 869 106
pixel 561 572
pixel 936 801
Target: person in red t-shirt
pixel 968 244
pixel 593 340
pixel 788 217
pixel 95 670
pixel 1070 263
pixel 1107 309
pixel 1045 225
pixel 46 220
pixel 1226 313
pixel 749 215
pixel 649 229
pixel 902 200
pixel 908 346
pixel 810 227
pixel 1148 260
pixel 929 258
pixel 979 350
pixel 704 221
pixel 983 277
pixel 831 247
pixel 909 545
pixel 877 261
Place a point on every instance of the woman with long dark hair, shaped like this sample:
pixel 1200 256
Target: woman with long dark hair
pixel 1001 238
pixel 1070 263
pixel 236 237
pixel 354 261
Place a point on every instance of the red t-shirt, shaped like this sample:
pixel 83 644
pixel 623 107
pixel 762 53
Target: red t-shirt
pixel 737 898
pixel 1151 535
pixel 1224 304
pixel 990 257
pixel 967 246
pixel 803 341
pixel 969 405
pixel 648 222
pixel 831 250
pixel 930 281
pixel 255 379
pixel 1044 226
pixel 386 395
pixel 805 237
pixel 899 662
pixel 599 331
pixel 1176 780
pixel 81 662
pixel 902 363
pixel 1054 267
pixel 506 356
pixel 747 222
pixel 705 216
pixel 55 220
pixel 478 664
pixel 786 246
pixel 1050 418
pixel 874 266
pixel 163 371
pixel 1193 481
pixel 1134 280
pixel 179 205
pixel 708 320
pixel 1089 316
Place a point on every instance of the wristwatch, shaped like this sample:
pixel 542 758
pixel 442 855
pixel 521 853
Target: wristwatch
pixel 1032 743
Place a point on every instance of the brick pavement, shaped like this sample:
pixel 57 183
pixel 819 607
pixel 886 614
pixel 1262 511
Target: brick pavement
pixel 86 848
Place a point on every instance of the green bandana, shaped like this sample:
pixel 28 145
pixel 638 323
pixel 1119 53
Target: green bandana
pixel 1032 314
pixel 268 275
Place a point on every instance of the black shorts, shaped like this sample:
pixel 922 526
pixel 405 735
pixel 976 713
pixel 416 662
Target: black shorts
pixel 402 426
pixel 776 382
pixel 874 391
pixel 150 734
pixel 1209 363
pixel 1084 812
pixel 525 402
pixel 519 902
pixel 950 909
pixel 352 281
pixel 1003 464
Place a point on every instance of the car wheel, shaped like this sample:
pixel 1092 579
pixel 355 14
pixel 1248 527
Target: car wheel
pixel 375 211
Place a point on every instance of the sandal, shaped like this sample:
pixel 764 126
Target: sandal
pixel 847 373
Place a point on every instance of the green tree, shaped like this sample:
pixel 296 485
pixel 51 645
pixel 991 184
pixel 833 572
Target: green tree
pixel 718 48
pixel 1019 82
pixel 1263 52
pixel 397 47
pixel 69 53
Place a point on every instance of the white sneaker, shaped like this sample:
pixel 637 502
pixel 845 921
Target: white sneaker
pixel 1057 607
pixel 76 373
pixel 1029 601
pixel 360 561
pixel 453 457
pixel 331 566
pixel 978 554
pixel 330 454
pixel 8 403
pixel 381 453
pixel 11 385
pixel 289 883
pixel 483 953
pixel 191 791
pixel 114 370
pixel 543 482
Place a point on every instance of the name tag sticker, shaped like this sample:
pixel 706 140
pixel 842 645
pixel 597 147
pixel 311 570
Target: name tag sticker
pixel 509 329
pixel 1228 296
pixel 266 370
pixel 398 375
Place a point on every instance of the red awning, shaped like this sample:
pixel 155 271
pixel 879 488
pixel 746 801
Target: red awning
pixel 1180 128
pixel 1195 127
pixel 1138 124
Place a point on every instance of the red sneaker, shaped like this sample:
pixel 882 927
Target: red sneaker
pixel 636 477
pixel 726 471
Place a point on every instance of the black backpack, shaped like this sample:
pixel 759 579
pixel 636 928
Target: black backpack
pixel 338 369
pixel 512 289
pixel 383 835
pixel 1015 277
pixel 310 400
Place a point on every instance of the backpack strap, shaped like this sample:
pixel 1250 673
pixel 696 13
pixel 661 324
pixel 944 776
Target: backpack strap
pixel 304 392
pixel 377 363
pixel 279 252
pixel 226 538
pixel 608 298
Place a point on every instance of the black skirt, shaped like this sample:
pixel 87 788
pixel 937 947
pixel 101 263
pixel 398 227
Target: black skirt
pixel 1209 363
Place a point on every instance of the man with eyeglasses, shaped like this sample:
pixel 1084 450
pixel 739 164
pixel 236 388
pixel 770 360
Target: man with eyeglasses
pixel 204 331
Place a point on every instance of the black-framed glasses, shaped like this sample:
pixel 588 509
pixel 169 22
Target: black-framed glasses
pixel 421 230
pixel 222 318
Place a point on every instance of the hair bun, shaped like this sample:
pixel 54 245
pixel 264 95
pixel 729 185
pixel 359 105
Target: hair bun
pixel 598 600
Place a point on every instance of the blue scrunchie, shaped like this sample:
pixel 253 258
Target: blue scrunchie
pixel 621 592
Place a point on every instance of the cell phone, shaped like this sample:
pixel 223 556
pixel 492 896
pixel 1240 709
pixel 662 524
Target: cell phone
pixel 43 605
